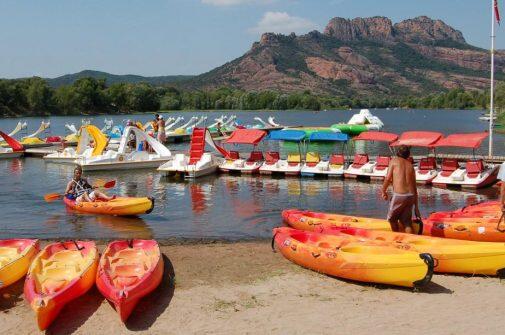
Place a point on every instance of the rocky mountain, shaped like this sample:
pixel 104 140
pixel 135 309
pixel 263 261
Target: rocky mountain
pixel 362 56
pixel 69 79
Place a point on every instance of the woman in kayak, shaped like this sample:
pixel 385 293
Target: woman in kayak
pixel 80 190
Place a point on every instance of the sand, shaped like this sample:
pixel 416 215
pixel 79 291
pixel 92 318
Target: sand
pixel 244 288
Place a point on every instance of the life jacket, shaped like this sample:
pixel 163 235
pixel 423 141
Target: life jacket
pixel 81 187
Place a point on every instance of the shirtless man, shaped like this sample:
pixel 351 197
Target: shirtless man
pixel 80 190
pixel 403 177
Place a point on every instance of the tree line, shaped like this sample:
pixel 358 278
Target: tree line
pixel 86 96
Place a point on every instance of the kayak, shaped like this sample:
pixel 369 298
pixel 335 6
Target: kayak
pixel 484 230
pixel 118 206
pixel 16 255
pixel 128 271
pixel 308 220
pixel 351 258
pixel 451 256
pixel 61 272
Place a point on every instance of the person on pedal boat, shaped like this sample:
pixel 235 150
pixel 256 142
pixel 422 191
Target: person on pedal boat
pixel 80 190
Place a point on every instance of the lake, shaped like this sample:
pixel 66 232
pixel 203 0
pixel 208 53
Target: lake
pixel 216 207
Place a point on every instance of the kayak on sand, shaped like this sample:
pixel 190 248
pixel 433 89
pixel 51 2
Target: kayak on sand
pixel 351 258
pixel 119 206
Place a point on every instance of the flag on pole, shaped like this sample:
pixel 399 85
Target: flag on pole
pixel 496 11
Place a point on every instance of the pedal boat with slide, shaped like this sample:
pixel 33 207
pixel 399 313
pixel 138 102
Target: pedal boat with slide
pixel 124 158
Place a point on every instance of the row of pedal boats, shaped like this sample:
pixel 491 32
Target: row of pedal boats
pixel 466 241
pixel 127 271
pixel 147 152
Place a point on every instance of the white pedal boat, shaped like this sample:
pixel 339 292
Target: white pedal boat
pixel 233 162
pixel 362 167
pixel 333 165
pixel 471 174
pixel 129 159
pixel 292 164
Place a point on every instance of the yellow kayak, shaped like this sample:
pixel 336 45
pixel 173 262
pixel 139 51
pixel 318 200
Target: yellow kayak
pixel 16 255
pixel 451 256
pixel 118 206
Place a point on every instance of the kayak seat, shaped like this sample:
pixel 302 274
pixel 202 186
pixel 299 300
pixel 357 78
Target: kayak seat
pixel 294 159
pixel 232 155
pixel 271 157
pixel 256 156
pixel 474 168
pixel 312 158
pixel 382 162
pixel 359 160
pixel 449 165
pixel 427 164
pixel 337 161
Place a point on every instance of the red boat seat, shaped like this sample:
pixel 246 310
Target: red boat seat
pixel 449 165
pixel 426 164
pixel 255 156
pixel 474 168
pixel 271 157
pixel 359 160
pixel 233 155
pixel 382 162
pixel 337 160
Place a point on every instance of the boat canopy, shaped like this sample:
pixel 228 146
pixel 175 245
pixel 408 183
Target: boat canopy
pixel 246 136
pixel 286 135
pixel 418 139
pixel 88 133
pixel 158 147
pixel 324 136
pixel 15 145
pixel 469 140
pixel 376 136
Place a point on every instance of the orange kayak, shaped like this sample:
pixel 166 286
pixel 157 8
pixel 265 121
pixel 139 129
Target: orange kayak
pixel 16 255
pixel 119 206
pixel 451 256
pixel 483 230
pixel 351 258
pixel 61 272
pixel 128 271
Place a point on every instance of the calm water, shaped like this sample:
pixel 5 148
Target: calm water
pixel 225 207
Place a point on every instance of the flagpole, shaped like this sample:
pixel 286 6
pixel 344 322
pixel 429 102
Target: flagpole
pixel 491 104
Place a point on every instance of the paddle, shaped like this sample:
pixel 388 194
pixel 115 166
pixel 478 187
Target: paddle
pixel 100 184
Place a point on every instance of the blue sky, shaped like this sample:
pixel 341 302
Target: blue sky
pixel 163 37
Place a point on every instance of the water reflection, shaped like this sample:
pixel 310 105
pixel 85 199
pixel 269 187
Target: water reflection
pixel 225 206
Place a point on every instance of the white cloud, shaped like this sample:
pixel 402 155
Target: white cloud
pixel 224 3
pixel 282 22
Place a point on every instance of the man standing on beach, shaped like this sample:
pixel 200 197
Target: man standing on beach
pixel 403 177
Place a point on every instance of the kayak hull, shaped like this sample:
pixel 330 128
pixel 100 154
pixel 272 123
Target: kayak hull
pixel 16 256
pixel 128 271
pixel 119 206
pixel 451 256
pixel 349 258
pixel 59 274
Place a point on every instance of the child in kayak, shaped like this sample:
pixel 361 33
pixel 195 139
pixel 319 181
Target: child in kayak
pixel 80 190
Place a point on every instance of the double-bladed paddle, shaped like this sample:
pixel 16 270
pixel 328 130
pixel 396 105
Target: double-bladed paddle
pixel 99 184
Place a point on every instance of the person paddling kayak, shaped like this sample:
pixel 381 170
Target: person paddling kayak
pixel 80 190
pixel 402 175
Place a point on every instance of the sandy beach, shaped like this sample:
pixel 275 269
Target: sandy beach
pixel 245 288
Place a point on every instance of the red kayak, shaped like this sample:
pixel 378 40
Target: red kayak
pixel 128 271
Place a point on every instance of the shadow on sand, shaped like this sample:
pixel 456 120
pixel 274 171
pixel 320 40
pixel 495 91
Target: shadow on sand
pixel 11 295
pixel 152 306
pixel 76 313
